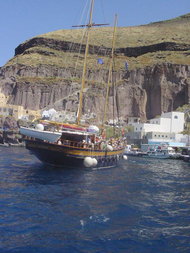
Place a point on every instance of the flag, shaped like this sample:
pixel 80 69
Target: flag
pixel 126 65
pixel 100 61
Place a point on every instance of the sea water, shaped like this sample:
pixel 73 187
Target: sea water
pixel 143 205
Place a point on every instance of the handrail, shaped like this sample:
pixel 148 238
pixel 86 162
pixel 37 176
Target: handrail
pixel 74 144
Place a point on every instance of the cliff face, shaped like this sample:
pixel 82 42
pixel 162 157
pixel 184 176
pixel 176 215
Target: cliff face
pixel 69 46
pixel 43 73
pixel 142 93
pixel 160 88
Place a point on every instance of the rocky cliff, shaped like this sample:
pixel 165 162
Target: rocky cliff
pixel 44 72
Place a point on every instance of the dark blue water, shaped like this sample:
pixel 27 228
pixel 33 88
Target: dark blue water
pixel 140 206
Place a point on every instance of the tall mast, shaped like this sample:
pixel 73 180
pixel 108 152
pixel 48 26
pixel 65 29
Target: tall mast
pixel 85 62
pixel 110 71
pixel 89 25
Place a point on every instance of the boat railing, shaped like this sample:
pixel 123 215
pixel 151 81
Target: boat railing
pixel 78 144
pixel 83 145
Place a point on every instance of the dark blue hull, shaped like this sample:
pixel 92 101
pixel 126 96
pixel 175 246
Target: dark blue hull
pixel 71 156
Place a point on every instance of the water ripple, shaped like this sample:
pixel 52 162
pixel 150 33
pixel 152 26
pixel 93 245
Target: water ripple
pixel 141 206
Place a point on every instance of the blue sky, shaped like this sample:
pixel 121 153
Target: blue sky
pixel 23 19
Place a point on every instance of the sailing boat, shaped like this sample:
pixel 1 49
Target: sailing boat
pixel 76 146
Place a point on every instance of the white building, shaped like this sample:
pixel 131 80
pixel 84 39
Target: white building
pixel 171 122
pixel 166 128
pixel 131 120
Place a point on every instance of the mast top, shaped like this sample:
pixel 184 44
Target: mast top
pixel 89 25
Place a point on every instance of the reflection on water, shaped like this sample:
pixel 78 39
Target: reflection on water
pixel 141 206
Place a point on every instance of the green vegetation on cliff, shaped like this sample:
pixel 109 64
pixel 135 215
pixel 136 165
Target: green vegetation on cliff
pixel 175 30
pixel 170 31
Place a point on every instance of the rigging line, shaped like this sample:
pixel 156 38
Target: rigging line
pixel 105 53
pixel 113 91
pixel 70 49
pixel 106 65
pixel 80 49
pixel 114 78
pixel 99 48
pixel 67 55
pixel 116 100
pixel 85 9
pixel 83 12
pixel 110 72
pixel 85 65
pixel 103 13
pixel 102 68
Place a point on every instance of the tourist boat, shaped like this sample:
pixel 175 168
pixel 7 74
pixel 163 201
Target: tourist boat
pixel 39 133
pixel 162 153
pixel 74 149
pixel 132 151
pixel 73 145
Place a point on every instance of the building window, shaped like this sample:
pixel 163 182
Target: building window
pixel 175 117
pixel 155 135
pixel 4 109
